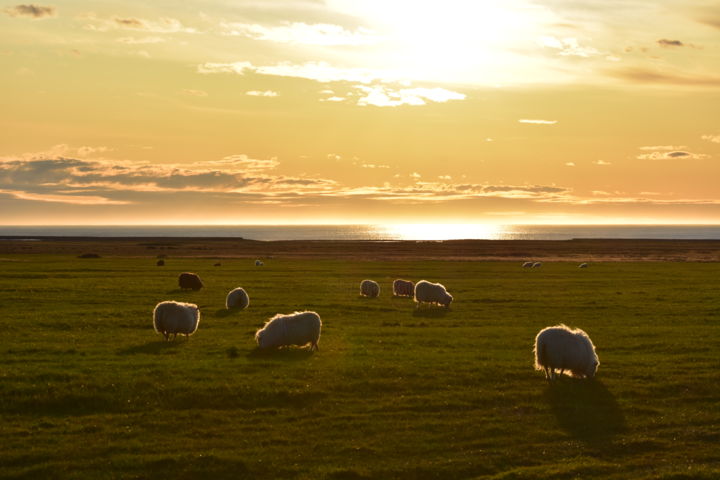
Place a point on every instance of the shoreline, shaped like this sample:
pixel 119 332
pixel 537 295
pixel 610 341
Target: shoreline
pixel 580 250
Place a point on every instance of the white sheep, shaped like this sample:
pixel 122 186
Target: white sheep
pixel 171 318
pixel 298 328
pixel 432 293
pixel 403 288
pixel 561 348
pixel 537 265
pixel 527 265
pixel 369 288
pixel 237 298
pixel 583 265
pixel 259 263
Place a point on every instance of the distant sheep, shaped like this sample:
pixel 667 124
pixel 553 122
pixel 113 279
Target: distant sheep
pixel 583 265
pixel 369 288
pixel 403 288
pixel 217 264
pixel 432 293
pixel 527 265
pixel 160 263
pixel 537 265
pixel 171 318
pixel 237 298
pixel 190 280
pixel 560 348
pixel 299 328
pixel 259 263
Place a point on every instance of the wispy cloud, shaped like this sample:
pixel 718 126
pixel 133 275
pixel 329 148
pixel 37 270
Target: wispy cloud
pixel 323 34
pixel 602 163
pixel 567 47
pixel 262 93
pixel 663 147
pixel 140 41
pixel 383 96
pixel 30 11
pixel 537 121
pixel 644 75
pixel 671 155
pixel 318 71
pixel 665 43
pixel 711 138
pixel 160 25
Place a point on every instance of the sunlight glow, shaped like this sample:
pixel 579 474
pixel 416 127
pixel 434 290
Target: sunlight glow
pixel 440 231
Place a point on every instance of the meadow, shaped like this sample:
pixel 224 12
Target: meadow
pixel 89 390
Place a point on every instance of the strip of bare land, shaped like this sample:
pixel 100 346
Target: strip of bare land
pixel 586 250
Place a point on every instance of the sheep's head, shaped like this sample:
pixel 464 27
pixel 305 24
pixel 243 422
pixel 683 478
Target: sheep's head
pixel 259 338
pixel 592 369
pixel 448 300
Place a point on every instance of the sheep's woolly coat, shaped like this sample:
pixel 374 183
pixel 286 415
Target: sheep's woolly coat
pixel 537 265
pixel 527 264
pixel 561 348
pixel 583 265
pixel 259 263
pixel 433 293
pixel 403 288
pixel 190 280
pixel 298 328
pixel 369 288
pixel 171 318
pixel 237 298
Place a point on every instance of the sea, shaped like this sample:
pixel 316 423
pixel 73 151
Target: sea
pixel 382 232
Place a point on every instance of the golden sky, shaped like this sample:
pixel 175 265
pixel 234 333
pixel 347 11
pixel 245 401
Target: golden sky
pixel 343 111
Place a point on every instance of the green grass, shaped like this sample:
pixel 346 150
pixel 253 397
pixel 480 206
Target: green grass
pixel 89 390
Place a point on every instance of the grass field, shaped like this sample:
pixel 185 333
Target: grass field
pixel 89 390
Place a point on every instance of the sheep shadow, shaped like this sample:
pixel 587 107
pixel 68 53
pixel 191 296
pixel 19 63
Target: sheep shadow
pixel 430 312
pixel 156 347
pixel 225 312
pixel 585 408
pixel 286 354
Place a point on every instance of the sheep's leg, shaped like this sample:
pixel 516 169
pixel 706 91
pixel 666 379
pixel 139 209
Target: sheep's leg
pixel 166 335
pixel 174 336
pixel 547 373
pixel 562 371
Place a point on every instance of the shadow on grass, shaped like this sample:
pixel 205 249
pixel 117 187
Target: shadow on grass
pixel 430 312
pixel 224 312
pixel 585 408
pixel 154 348
pixel 287 354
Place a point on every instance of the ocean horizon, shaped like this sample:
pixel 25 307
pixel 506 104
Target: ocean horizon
pixel 380 232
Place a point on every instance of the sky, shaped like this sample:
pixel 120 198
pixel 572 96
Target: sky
pixel 341 111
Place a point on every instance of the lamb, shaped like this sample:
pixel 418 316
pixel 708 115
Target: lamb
pixel 583 265
pixel 432 293
pixel 171 318
pixel 369 288
pixel 560 348
pixel 259 263
pixel 190 280
pixel 298 328
pixel 527 265
pixel 160 263
pixel 237 298
pixel 403 288
pixel 537 265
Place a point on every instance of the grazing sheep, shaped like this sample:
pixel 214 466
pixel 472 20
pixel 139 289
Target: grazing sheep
pixel 259 263
pixel 237 298
pixel 560 348
pixel 190 280
pixel 160 263
pixel 537 265
pixel 583 265
pixel 171 318
pixel 432 293
pixel 527 265
pixel 218 264
pixel 369 288
pixel 403 288
pixel 298 328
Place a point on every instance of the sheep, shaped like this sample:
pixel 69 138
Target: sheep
pixel 369 288
pixel 527 265
pixel 237 298
pixel 217 264
pixel 298 328
pixel 190 280
pixel 537 265
pixel 160 263
pixel 432 293
pixel 403 288
pixel 583 265
pixel 560 348
pixel 171 318
pixel 259 263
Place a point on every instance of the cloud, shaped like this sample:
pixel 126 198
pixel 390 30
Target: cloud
pixel 30 11
pixel 303 34
pixel 712 20
pixel 161 25
pixel 537 121
pixel 569 164
pixel 318 71
pixel 602 163
pixel 262 93
pixel 711 138
pixel 663 147
pixel 567 47
pixel 140 41
pixel 373 165
pixel 642 75
pixel 69 199
pixel 665 43
pixel 383 96
pixel 672 155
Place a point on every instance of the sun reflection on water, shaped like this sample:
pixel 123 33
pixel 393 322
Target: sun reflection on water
pixel 443 231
